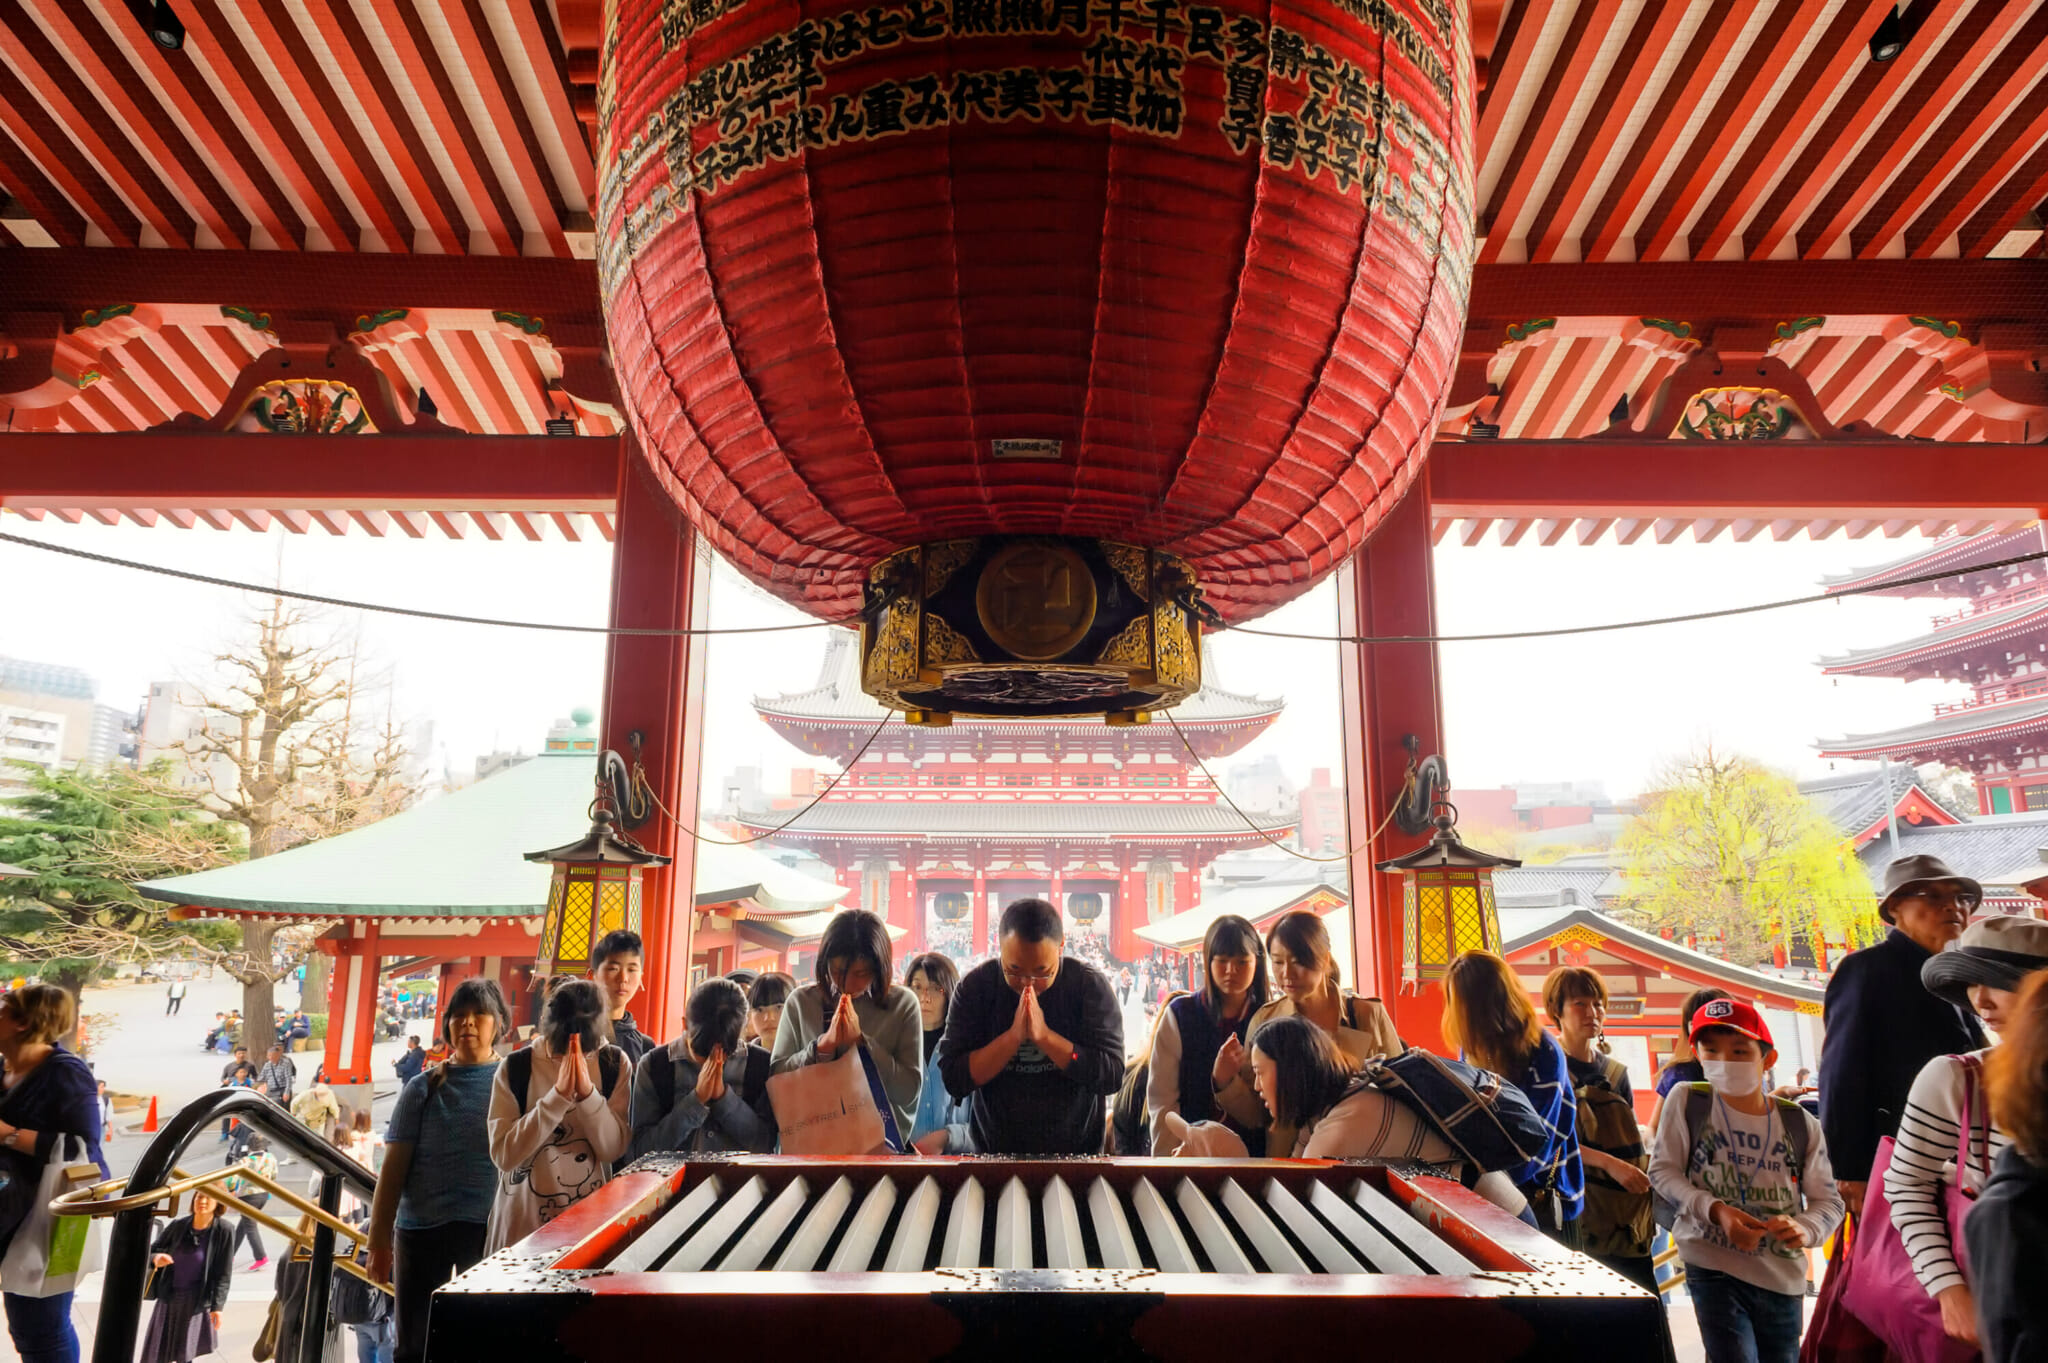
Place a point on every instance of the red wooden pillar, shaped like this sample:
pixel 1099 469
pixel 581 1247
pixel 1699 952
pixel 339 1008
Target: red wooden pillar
pixel 653 684
pixel 1128 913
pixel 1389 690
pixel 978 910
pixel 912 915
pixel 352 1014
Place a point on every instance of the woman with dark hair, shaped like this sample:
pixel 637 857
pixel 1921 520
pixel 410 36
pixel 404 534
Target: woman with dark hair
pixel 433 1203
pixel 2007 1231
pixel 190 1266
pixel 1192 1029
pixel 1311 986
pixel 852 1003
pixel 765 998
pixel 940 1127
pixel 50 1110
pixel 1130 1123
pixel 559 1114
pixel 1488 1017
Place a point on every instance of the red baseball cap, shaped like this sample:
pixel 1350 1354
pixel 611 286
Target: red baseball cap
pixel 1733 1014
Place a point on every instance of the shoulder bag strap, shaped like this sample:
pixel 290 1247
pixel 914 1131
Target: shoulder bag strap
pixel 1967 1126
pixel 519 1075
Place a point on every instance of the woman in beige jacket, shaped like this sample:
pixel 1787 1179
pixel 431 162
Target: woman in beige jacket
pixel 1306 973
pixel 555 1143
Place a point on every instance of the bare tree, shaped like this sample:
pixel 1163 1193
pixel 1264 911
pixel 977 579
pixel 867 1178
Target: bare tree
pixel 281 753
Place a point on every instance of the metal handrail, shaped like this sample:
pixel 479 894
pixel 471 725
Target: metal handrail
pixel 127 1264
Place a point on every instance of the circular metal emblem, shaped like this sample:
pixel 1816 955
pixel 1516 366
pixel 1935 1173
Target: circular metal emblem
pixel 1036 599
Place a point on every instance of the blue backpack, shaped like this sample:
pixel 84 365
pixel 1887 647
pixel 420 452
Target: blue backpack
pixel 1489 1121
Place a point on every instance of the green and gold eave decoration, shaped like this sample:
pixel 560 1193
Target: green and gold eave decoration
pixel 1031 627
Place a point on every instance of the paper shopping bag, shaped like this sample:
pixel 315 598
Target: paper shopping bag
pixel 828 1109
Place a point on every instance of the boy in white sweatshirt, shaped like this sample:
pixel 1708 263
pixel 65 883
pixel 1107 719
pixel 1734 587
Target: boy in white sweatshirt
pixel 1751 1180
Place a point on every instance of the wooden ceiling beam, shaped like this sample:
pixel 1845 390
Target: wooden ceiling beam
pixel 1938 92
pixel 1606 122
pixel 1871 480
pixel 1567 76
pixel 1972 188
pixel 1733 119
pixel 273 129
pixel 1514 47
pixel 509 121
pixel 1876 87
pixel 389 118
pixel 543 49
pixel 312 88
pixel 210 127
pixel 39 136
pixel 1656 148
pixel 427 81
pixel 291 284
pixel 2024 193
pixel 1833 63
pixel 44 203
pixel 1743 293
pixel 139 122
pixel 48 83
pixel 1996 101
pixel 234 470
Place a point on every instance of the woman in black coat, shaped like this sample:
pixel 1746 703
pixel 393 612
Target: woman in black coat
pixel 190 1266
pixel 2007 1230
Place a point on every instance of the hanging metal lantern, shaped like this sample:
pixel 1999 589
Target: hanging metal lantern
pixel 595 890
pixel 1447 903
pixel 954 306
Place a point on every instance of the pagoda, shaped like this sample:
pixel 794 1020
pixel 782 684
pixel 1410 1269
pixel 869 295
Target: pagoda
pixel 932 827
pixel 1996 642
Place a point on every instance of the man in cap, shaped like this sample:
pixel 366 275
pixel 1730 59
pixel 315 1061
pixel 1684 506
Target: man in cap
pixel 1881 1025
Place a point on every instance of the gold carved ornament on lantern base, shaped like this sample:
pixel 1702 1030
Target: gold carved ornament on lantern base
pixel 595 888
pixel 1447 900
pixel 1031 627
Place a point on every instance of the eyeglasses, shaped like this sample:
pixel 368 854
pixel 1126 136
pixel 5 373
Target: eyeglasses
pixel 1939 897
pixel 1035 977
pixel 930 991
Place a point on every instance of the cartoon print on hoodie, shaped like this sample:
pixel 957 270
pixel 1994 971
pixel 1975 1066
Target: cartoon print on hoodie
pixel 565 1171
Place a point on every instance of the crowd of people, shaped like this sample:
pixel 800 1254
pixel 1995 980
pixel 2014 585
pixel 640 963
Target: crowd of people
pixel 1023 1055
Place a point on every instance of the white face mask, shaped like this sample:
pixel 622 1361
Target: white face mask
pixel 1734 1078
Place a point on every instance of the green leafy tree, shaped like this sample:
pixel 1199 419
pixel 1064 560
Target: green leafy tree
pixel 86 837
pixel 1730 852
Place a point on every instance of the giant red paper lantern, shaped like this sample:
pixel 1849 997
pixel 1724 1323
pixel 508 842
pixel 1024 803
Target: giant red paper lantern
pixel 1179 278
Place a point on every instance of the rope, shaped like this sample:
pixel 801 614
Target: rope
pixel 343 602
pixel 1407 784
pixel 1722 614
pixel 641 784
pixel 416 614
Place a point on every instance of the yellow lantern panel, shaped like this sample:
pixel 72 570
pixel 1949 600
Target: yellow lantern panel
pixel 1446 912
pixel 585 902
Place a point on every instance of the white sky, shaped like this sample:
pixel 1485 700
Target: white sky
pixel 1605 707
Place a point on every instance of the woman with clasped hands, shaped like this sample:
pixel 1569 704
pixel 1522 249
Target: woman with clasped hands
pixel 851 1003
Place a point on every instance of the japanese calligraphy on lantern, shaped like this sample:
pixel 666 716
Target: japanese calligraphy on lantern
pixel 1161 68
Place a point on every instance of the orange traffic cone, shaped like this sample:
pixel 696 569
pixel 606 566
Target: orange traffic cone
pixel 149 1122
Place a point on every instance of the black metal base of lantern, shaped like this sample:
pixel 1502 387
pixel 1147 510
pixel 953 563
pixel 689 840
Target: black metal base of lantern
pixel 1031 627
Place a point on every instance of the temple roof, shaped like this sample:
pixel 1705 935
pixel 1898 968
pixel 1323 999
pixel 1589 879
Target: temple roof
pixel 462 856
pixel 2024 716
pixel 837 695
pixel 1856 801
pixel 1529 928
pixel 2020 617
pixel 1018 818
pixel 1988 848
pixel 1960 552
pixel 1321 888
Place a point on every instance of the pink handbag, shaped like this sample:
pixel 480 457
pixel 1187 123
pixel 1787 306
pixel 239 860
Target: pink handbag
pixel 1882 1290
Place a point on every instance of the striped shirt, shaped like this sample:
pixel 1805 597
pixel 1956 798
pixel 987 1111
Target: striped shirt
pixel 1924 1157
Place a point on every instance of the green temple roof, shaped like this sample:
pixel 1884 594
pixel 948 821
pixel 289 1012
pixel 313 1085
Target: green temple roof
pixel 461 855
